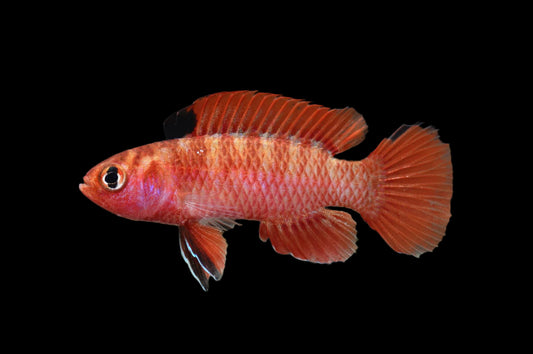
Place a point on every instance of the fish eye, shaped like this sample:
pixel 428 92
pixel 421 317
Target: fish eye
pixel 113 177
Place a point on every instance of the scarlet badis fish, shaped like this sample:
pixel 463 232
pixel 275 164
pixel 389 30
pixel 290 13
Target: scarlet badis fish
pixel 270 158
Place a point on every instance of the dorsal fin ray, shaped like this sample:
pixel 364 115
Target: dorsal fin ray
pixel 264 114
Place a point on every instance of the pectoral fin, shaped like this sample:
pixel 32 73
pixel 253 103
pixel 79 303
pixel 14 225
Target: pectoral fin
pixel 204 250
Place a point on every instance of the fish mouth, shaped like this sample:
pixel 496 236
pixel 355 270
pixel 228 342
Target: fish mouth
pixel 84 186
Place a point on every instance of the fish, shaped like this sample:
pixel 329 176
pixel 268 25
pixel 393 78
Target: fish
pixel 249 155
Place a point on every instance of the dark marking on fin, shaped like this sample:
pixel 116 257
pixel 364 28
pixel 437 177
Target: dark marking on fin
pixel 180 124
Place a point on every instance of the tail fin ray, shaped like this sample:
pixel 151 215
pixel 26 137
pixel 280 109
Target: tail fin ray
pixel 411 207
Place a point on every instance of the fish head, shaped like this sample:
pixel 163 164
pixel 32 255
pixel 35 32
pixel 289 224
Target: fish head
pixel 113 184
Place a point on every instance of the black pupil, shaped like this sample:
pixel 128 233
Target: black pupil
pixel 111 177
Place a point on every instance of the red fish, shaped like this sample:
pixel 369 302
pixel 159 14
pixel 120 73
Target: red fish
pixel 270 158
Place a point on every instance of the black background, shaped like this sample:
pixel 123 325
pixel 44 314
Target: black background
pixel 113 273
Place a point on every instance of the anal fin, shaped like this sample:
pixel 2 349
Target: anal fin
pixel 204 250
pixel 323 236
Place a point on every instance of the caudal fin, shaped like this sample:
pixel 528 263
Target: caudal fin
pixel 411 207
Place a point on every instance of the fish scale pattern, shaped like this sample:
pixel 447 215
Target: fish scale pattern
pixel 260 178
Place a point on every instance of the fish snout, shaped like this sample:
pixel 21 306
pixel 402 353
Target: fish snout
pixel 85 186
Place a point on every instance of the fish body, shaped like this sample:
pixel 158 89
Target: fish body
pixel 271 158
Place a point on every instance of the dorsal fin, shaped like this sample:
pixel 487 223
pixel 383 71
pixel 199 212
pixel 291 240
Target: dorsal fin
pixel 254 113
